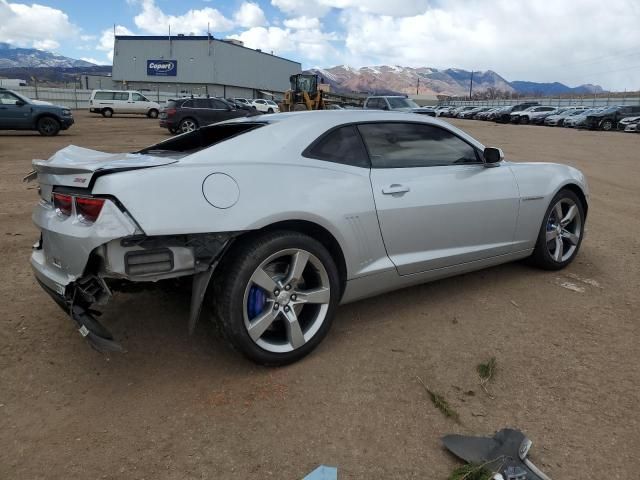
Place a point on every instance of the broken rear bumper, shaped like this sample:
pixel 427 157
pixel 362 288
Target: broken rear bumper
pixel 96 335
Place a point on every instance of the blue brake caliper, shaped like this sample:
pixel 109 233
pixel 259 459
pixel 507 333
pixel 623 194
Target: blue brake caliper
pixel 256 302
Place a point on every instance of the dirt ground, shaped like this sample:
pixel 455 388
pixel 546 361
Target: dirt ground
pixel 180 407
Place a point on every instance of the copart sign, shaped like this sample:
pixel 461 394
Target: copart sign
pixel 162 68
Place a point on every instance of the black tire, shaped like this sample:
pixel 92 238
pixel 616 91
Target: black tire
pixel 523 120
pixel 606 125
pixel 227 297
pixel 153 113
pixel 185 125
pixel 107 112
pixel 48 126
pixel 541 256
pixel 270 110
pixel 173 131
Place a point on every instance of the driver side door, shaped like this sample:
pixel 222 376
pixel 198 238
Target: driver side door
pixel 438 205
pixel 14 113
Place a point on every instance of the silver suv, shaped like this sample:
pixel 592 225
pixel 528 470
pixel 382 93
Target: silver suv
pixel 398 103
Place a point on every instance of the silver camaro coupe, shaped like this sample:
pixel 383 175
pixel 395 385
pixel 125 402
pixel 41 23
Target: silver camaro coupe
pixel 275 221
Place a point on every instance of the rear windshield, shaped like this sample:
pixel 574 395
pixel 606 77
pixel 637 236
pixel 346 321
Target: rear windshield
pixel 203 137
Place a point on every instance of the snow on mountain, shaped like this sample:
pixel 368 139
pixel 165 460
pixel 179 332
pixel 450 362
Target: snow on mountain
pixel 12 57
pixel 384 79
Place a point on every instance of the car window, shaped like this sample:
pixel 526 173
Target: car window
pixel 121 96
pixel 139 98
pixel 404 145
pixel 188 104
pixel 200 103
pixel 342 145
pixel 103 96
pixel 8 98
pixel 377 103
pixel 218 105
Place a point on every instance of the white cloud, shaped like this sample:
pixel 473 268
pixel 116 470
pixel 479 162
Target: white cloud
pixel 308 43
pixel 105 43
pixel 250 15
pixel 47 44
pixel 153 20
pixel 380 7
pixel 34 25
pixel 519 40
pixel 302 22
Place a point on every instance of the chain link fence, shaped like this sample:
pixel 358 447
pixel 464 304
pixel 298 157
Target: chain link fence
pixel 588 101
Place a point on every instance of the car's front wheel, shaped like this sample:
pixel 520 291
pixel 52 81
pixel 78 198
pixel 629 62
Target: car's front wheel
pixel 275 295
pixel 606 125
pixel 48 126
pixel 524 120
pixel 561 232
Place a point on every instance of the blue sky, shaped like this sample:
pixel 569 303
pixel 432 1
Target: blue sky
pixel 521 40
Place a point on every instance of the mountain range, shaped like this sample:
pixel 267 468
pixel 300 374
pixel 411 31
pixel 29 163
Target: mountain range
pixel 12 57
pixel 26 62
pixel 386 79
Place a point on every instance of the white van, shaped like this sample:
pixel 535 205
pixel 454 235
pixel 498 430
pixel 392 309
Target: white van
pixel 108 102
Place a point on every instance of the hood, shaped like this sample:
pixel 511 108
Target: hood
pixel 629 120
pixel 75 166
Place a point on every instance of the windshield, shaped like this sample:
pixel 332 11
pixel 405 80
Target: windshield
pixel 401 102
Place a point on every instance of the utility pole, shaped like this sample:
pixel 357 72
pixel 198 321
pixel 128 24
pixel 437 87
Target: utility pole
pixel 471 86
pixel 418 87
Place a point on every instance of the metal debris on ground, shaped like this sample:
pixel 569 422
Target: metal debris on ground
pixel 505 455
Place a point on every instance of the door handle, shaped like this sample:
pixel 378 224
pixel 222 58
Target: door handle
pixel 395 188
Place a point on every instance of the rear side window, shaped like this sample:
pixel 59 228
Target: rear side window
pixel 201 103
pixel 218 105
pixel 408 145
pixel 121 96
pixel 188 104
pixel 103 96
pixel 341 145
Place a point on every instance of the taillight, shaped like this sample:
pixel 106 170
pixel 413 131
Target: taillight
pixel 63 204
pixel 170 112
pixel 88 209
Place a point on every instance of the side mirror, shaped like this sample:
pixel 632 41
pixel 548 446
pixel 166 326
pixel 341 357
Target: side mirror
pixel 492 156
pixel 386 107
pixel 20 103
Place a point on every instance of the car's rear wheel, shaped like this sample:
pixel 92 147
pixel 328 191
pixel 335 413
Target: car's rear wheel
pixel 107 112
pixel 606 125
pixel 561 232
pixel 187 125
pixel 275 296
pixel 153 113
pixel 48 126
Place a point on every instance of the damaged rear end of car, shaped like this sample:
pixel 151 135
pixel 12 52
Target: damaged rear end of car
pixel 90 244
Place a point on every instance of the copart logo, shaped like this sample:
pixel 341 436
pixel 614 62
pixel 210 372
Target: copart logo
pixel 162 66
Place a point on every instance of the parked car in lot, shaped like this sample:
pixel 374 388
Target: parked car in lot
pixel 557 119
pixel 187 114
pixel 397 103
pixel 109 102
pixel 629 124
pixel 538 118
pixel 473 112
pixel 240 105
pixel 486 113
pixel 608 118
pixel 273 235
pixel 266 106
pixel 578 120
pixel 18 112
pixel 524 117
pixel 505 114
pixel 244 101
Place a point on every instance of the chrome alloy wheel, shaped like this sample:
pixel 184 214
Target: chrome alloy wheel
pixel 564 228
pixel 188 126
pixel 286 300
